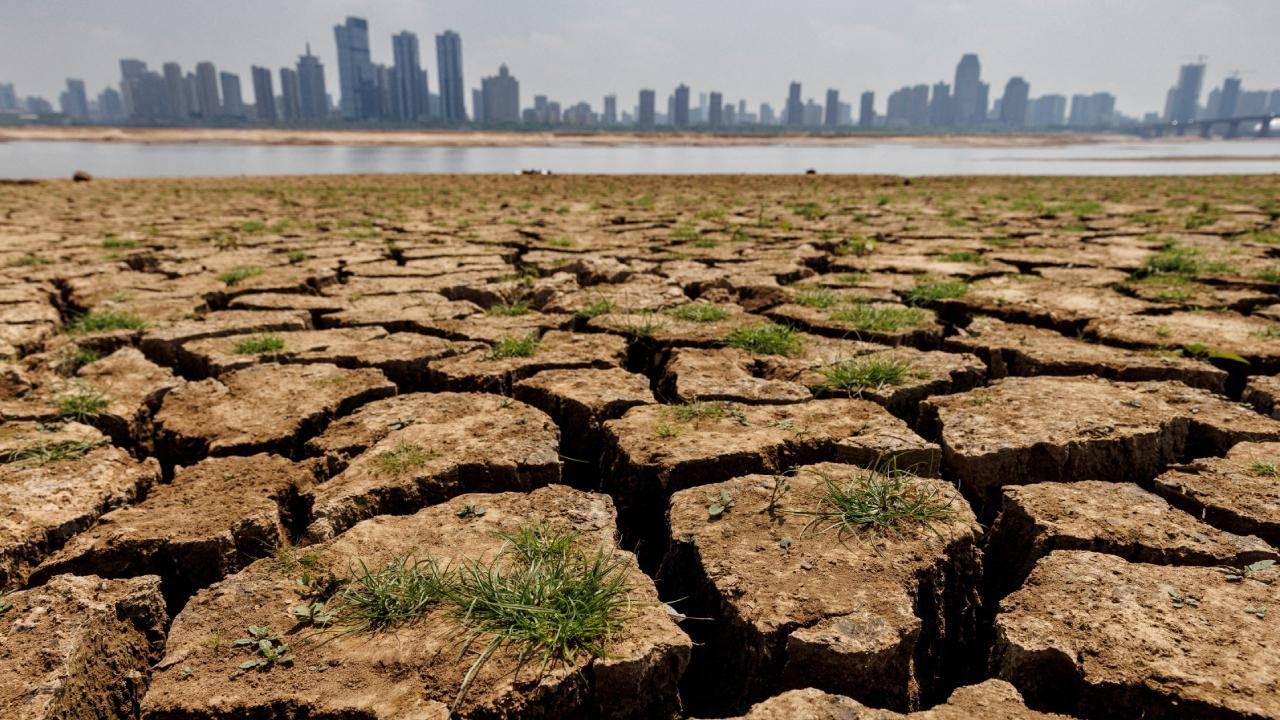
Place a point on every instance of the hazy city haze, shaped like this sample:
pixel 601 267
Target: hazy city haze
pixel 583 49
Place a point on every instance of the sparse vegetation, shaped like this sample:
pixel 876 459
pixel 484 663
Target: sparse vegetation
pixel 933 291
pixel 816 297
pixel 877 501
pixel 511 347
pixel 603 306
pixel 701 312
pixel 259 344
pixel 105 321
pixel 235 276
pixel 404 457
pixel 45 453
pixel 511 309
pixel 269 648
pixel 767 339
pixel 868 373
pixel 82 404
pixel 879 318
pixel 856 245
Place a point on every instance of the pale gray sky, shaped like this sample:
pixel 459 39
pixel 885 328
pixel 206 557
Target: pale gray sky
pixel 582 49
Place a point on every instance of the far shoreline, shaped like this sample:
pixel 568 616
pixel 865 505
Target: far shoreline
pixel 487 138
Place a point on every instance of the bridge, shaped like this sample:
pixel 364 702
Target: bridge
pixel 1205 127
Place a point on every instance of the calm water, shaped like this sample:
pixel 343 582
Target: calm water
pixel 60 159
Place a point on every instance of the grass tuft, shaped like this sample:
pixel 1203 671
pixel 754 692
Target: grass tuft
pixel 816 298
pixel 106 321
pixel 512 309
pixel 877 501
pixel 46 453
pixel 385 598
pixel 257 344
pixel 603 306
pixel 83 405
pixel 510 347
pixel 768 339
pixel 879 318
pixel 868 373
pixel 403 458
pixel 1265 469
pixel 237 275
pixel 695 410
pixel 699 312
pixel 927 292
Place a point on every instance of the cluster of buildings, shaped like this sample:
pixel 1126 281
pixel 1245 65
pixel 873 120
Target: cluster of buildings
pixel 401 94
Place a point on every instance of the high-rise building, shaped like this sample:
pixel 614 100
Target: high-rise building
pixel 795 108
pixel 191 95
pixel 1047 111
pixel 940 106
pixel 767 116
pixel 1186 94
pixel 74 102
pixel 832 108
pixel 290 96
pixel 645 119
pixel 867 109
pixel 232 102
pixel 1013 104
pixel 1227 103
pixel 477 104
pixel 176 91
pixel 110 106
pixel 1273 101
pixel 355 71
pixel 1251 102
pixel 500 95
pixel 312 99
pixel 680 110
pixel 410 96
pixel 264 96
pixel 610 116
pixel 449 66
pixel 969 97
pixel 8 98
pixel 715 110
pixel 143 91
pixel 207 90
pixel 1092 111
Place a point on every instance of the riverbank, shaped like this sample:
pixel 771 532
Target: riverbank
pixel 470 138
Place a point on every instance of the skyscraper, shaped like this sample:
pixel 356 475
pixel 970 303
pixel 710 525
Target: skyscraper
pixel 1047 111
pixel 290 96
pixel 680 111
pixel 354 66
pixel 715 110
pixel 1186 94
pixel 644 113
pixel 110 106
pixel 8 98
pixel 176 91
pixel 795 108
pixel 74 102
pixel 410 81
pixel 969 102
pixel 610 116
pixel 1229 102
pixel 867 110
pixel 501 98
pixel 232 104
pixel 940 106
pixel 264 96
pixel 207 89
pixel 1013 104
pixel 832 115
pixel 312 104
pixel 449 66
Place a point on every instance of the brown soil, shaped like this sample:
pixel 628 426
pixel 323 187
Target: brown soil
pixel 211 389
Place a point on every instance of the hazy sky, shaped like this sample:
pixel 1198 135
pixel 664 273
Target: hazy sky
pixel 582 49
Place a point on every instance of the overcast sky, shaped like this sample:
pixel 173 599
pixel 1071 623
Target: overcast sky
pixel 582 49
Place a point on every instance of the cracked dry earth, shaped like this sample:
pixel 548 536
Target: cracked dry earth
pixel 838 447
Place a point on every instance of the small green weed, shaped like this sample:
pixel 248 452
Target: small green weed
pixel 511 309
pixel 868 373
pixel 82 405
pixel 878 501
pixel 105 321
pixel 238 275
pixel 46 453
pixel 816 297
pixel 768 339
pixel 597 308
pixel 511 347
pixel 405 456
pixel 699 312
pixel 927 292
pixel 879 318
pixel 270 649
pixel 259 344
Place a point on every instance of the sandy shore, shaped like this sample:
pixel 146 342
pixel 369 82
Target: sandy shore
pixel 468 138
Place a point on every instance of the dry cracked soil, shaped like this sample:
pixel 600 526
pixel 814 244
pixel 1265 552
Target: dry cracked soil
pixel 364 448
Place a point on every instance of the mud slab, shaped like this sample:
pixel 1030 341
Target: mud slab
pixel 265 408
pixel 444 445
pixel 134 387
pixel 1263 393
pixel 1039 429
pixel 918 327
pixel 492 371
pixel 213 519
pixel 1011 349
pixel 986 701
pixel 1097 635
pixel 796 605
pixel 1239 492
pixel 80 647
pixel 1107 517
pixel 1251 338
pixel 416 671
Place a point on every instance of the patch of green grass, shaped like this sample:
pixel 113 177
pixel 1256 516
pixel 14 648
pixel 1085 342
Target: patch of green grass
pixel 767 339
pixel 879 318
pixel 851 278
pixel 296 256
pixel 868 373
pixel 1000 241
pixel 258 344
pixel 253 227
pixel 561 242
pixel 816 297
pixel 405 456
pixel 510 347
pixel 511 309
pixel 237 275
pixel 699 312
pixel 75 357
pixel 269 648
pixel 706 242
pixel 1271 275
pixel 30 260
pixel 856 245
pixel 115 243
pixel 965 256
pixel 1203 216
pixel 933 291
pixel 603 306
pixel 382 599
pixel 105 321
pixel 685 233
pixel 695 410
pixel 46 453
pixel 82 405
pixel 1265 469
pixel 877 501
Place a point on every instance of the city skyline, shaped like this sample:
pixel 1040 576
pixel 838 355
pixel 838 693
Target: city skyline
pixel 882 46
